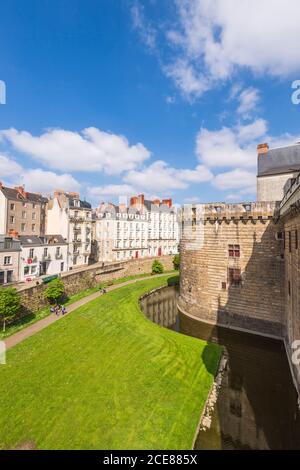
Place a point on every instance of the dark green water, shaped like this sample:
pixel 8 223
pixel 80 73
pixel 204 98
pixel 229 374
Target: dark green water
pixel 257 404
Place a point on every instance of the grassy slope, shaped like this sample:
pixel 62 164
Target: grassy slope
pixel 29 319
pixel 105 377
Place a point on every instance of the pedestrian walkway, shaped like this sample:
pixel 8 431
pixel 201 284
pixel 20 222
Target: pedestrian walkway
pixel 52 318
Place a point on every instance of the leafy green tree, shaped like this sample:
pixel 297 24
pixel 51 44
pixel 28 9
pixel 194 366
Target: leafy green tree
pixel 176 262
pixel 10 303
pixel 157 267
pixel 55 290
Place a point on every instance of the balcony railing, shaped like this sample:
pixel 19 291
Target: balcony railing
pixel 76 219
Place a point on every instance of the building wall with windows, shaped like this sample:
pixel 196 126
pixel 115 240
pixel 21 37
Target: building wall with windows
pixel 22 211
pixel 71 217
pixel 10 249
pixel 42 256
pixel 144 229
pixel 232 267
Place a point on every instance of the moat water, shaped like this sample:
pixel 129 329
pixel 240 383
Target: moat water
pixel 257 404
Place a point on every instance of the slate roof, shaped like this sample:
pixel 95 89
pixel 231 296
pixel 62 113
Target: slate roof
pixel 34 240
pixel 279 160
pixel 12 193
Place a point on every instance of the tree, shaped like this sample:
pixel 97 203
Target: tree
pixel 10 303
pixel 54 290
pixel 176 262
pixel 157 267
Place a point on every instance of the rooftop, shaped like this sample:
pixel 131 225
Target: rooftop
pixel 279 160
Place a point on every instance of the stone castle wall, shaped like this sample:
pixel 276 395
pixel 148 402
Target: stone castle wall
pixel 257 304
pixel 32 298
pixel 292 286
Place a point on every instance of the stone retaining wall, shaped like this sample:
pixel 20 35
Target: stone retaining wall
pixel 32 297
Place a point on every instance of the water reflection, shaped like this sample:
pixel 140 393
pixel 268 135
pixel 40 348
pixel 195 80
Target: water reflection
pixel 257 405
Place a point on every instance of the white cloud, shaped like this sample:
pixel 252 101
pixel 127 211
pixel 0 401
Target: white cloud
pixel 160 177
pixel 248 101
pixel 236 179
pixel 212 39
pixel 111 190
pixel 91 150
pixel 9 167
pixel 230 147
pixel 145 30
pixel 38 180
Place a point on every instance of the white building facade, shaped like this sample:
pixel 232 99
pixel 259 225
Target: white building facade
pixel 144 229
pixel 47 255
pixel 10 250
pixel 71 217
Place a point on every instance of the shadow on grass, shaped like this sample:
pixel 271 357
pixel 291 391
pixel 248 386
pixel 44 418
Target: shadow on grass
pixel 210 354
pixel 173 280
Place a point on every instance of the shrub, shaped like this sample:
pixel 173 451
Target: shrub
pixel 157 267
pixel 176 262
pixel 10 303
pixel 54 290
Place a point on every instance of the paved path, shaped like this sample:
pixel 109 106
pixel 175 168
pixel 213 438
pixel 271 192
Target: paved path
pixel 52 318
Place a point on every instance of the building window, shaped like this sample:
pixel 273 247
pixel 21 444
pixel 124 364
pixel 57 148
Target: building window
pixel 23 214
pixel 234 251
pixel 296 239
pixel 23 227
pixel 33 206
pixel 235 276
pixel 12 207
pixel 289 288
pixel 9 276
pixel 12 219
pixel 45 251
pixel 31 253
pixel 33 216
pixel 61 267
pixel 24 204
pixel 33 227
pixel 1 277
pixel 26 270
pixel 290 242
pixel 7 260
pixel 58 250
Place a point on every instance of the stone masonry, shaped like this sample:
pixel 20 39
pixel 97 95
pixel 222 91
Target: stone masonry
pixel 232 267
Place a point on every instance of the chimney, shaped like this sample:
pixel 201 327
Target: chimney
pixel 141 199
pixel 262 148
pixel 156 202
pixel 1 185
pixel 133 201
pixel 167 202
pixel 74 195
pixel 122 207
pixel 13 233
pixel 21 190
pixel 58 192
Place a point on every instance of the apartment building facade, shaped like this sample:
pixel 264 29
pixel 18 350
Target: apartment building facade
pixel 10 251
pixel 143 229
pixel 40 256
pixel 71 217
pixel 22 211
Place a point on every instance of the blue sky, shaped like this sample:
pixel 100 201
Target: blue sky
pixel 165 97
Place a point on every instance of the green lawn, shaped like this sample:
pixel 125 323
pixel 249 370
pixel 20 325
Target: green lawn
pixel 33 317
pixel 105 377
